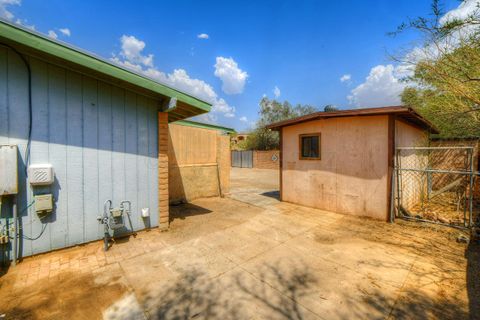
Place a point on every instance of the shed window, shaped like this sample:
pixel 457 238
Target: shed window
pixel 310 146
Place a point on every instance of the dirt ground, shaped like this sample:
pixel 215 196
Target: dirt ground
pixel 249 256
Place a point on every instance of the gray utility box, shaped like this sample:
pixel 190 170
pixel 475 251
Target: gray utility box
pixel 8 170
pixel 43 203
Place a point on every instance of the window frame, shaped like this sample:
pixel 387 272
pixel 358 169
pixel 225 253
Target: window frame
pixel 300 146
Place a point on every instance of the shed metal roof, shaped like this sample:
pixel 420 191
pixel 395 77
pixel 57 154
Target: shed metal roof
pixel 401 112
pixel 38 45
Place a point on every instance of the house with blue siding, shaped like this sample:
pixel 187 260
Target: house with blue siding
pixel 101 128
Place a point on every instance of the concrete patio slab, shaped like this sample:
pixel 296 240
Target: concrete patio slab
pixel 224 258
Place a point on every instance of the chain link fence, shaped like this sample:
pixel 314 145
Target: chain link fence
pixel 435 184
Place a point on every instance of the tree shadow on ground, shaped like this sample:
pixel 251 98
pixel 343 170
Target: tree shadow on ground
pixel 237 296
pixel 192 296
pixel 279 293
pixel 425 294
pixel 283 301
pixel 286 290
pixel 410 304
pixel 438 291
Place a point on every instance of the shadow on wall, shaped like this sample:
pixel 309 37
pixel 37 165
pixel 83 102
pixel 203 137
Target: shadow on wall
pixel 76 145
pixel 26 232
pixel 175 182
pixel 194 165
pixel 87 100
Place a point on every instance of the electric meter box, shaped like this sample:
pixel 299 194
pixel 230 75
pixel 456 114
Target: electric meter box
pixel 8 169
pixel 41 174
pixel 43 203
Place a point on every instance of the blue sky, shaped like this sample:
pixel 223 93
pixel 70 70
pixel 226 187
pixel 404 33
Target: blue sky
pixel 303 48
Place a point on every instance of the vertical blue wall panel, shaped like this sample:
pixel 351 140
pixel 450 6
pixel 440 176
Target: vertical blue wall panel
pixel 142 161
pixel 131 152
pixel 104 145
pixel 118 127
pixel 90 158
pixel 101 140
pixel 74 158
pixel 17 131
pixel 57 150
pixel 3 130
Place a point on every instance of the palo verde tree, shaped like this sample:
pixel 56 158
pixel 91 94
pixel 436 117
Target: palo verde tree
pixel 445 82
pixel 273 111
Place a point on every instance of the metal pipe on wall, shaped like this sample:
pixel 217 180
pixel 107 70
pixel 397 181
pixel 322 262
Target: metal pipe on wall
pixel 15 236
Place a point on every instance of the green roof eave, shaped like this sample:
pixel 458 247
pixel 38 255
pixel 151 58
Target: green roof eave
pixel 195 124
pixel 76 56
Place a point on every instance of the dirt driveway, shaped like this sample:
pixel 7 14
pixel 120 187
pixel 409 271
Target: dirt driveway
pixel 249 256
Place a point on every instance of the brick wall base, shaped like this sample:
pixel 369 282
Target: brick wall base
pixel 266 159
pixel 163 202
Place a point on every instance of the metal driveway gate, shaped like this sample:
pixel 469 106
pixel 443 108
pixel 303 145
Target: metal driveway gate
pixel 434 184
pixel 242 159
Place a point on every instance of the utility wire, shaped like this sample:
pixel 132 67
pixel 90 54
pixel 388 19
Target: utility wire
pixel 29 139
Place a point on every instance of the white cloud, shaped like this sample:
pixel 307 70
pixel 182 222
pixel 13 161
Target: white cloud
pixel 25 24
pixel 132 57
pixel 247 124
pixel 467 8
pixel 206 118
pixel 233 78
pixel 132 51
pixel 180 79
pixel 382 87
pixel 4 12
pixel 52 34
pixel 221 106
pixel 346 77
pixel 203 36
pixel 464 10
pixel 276 92
pixel 65 31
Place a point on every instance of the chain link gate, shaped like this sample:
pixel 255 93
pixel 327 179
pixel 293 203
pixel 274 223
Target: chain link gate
pixel 435 184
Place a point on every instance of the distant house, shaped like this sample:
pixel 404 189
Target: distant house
pixel 239 137
pixel 342 161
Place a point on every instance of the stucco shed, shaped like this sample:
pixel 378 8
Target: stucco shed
pixel 103 128
pixel 342 161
